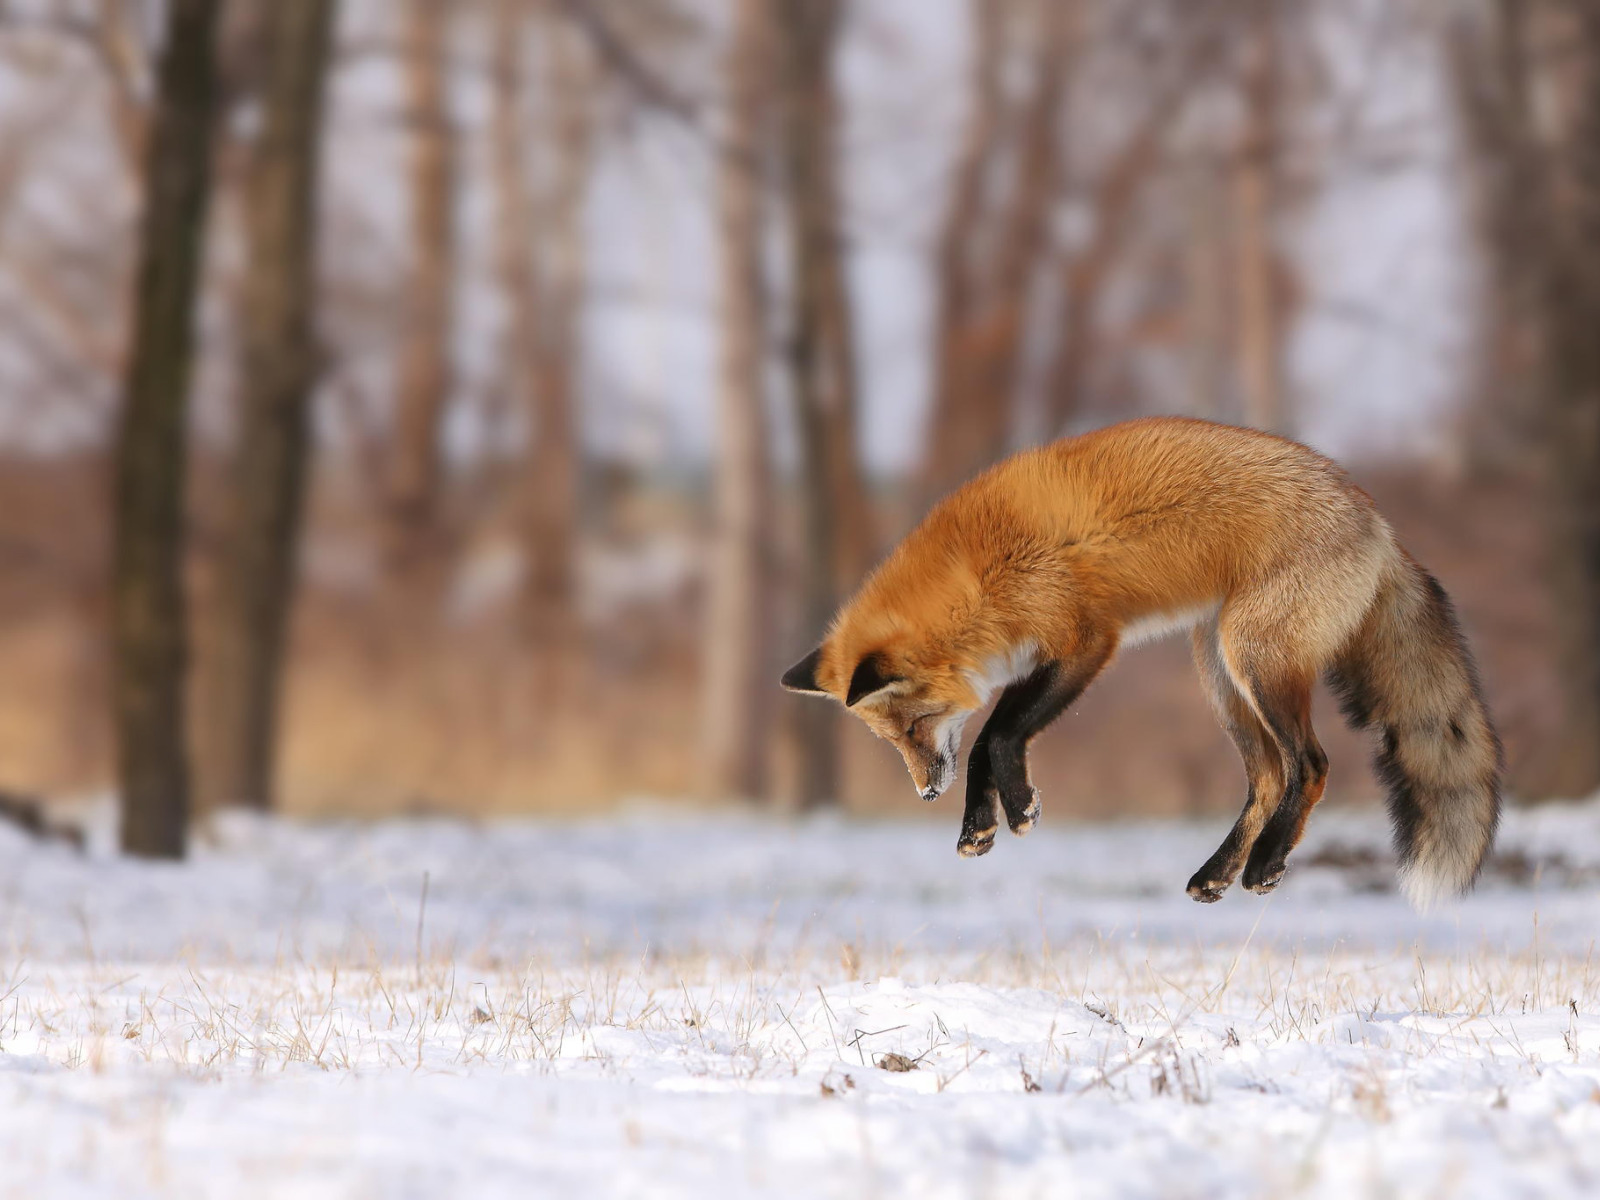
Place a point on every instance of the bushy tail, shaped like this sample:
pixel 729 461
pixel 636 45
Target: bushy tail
pixel 1408 671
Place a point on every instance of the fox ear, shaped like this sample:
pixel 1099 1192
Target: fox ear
pixel 871 676
pixel 802 677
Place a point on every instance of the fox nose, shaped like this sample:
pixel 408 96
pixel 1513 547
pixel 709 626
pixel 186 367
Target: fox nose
pixel 931 793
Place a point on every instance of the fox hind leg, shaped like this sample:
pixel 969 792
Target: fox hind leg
pixel 1263 766
pixel 1264 650
pixel 1280 697
pixel 1281 834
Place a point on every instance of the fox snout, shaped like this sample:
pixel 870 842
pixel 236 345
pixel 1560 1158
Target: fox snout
pixel 938 774
pixel 933 766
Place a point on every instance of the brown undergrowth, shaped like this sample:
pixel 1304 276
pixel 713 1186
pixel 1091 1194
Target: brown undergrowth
pixel 466 712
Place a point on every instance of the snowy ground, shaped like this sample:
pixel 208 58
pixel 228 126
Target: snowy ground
pixel 714 1006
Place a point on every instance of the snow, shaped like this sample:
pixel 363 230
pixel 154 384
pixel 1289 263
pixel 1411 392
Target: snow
pixel 671 1005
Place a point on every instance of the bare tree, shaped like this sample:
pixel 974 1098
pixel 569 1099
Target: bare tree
pixel 1487 53
pixel 150 644
pixel 1205 282
pixel 969 425
pixel 991 250
pixel 1570 314
pixel 821 357
pixel 425 375
pixel 515 228
pixel 1086 269
pixel 277 373
pixel 998 241
pixel 550 483
pixel 1533 130
pixel 737 686
pixel 112 34
pixel 1259 327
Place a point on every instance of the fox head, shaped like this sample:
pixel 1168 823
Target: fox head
pixel 920 709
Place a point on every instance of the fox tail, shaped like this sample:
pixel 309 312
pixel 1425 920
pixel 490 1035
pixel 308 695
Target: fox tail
pixel 1408 671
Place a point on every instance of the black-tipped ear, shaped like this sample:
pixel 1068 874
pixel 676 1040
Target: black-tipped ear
pixel 802 677
pixel 871 675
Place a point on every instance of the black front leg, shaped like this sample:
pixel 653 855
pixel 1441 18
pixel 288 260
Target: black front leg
pixel 1024 708
pixel 1000 755
pixel 979 821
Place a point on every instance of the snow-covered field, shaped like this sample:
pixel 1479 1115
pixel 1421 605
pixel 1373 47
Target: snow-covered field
pixel 718 1005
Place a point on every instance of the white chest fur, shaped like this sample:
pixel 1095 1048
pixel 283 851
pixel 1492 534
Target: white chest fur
pixel 998 670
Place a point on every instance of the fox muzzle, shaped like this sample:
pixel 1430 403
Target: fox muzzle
pixel 941 770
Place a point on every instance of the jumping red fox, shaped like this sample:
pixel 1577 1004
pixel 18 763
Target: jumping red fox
pixel 1027 580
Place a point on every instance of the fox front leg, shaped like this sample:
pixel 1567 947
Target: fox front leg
pixel 997 772
pixel 979 820
pixel 1007 749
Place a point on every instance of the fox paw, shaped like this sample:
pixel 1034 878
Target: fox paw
pixel 1022 818
pixel 1206 893
pixel 1205 888
pixel 975 843
pixel 1214 877
pixel 1262 879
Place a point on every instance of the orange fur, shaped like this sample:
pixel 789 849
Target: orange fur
pixel 1088 535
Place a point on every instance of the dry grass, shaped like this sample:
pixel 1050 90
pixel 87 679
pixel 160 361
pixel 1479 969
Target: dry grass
pixel 210 1020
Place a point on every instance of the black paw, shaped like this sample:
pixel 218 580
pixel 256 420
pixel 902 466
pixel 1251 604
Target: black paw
pixel 975 842
pixel 1208 883
pixel 1205 887
pixel 1023 817
pixel 1261 878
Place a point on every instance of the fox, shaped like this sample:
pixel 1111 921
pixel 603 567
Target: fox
pixel 1021 585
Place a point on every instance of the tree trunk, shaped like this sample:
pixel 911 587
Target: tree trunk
pixel 966 427
pixel 820 358
pixel 277 374
pixel 425 375
pixel 738 686
pixel 1490 77
pixel 994 367
pixel 1259 326
pixel 515 220
pixel 1205 288
pixel 1537 169
pixel 989 262
pixel 149 636
pixel 1571 395
pixel 550 495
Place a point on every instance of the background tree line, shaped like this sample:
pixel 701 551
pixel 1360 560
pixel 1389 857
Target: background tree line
pixel 357 479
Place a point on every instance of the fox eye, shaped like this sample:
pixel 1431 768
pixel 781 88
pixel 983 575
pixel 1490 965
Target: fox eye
pixel 911 729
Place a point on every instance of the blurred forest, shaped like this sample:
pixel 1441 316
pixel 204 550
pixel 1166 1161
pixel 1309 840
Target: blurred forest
pixel 472 406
